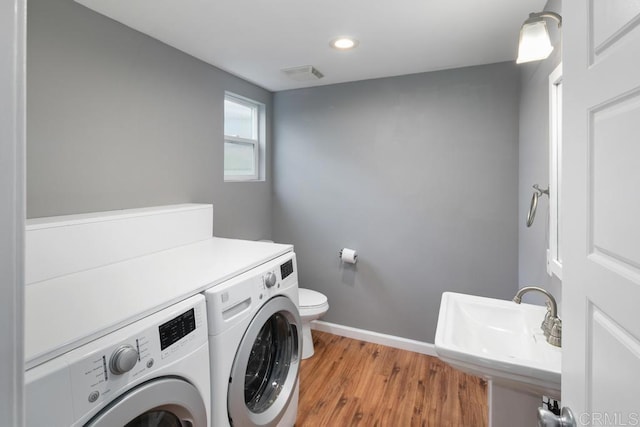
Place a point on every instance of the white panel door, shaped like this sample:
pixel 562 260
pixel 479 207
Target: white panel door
pixel 12 208
pixel 601 198
pixel 13 34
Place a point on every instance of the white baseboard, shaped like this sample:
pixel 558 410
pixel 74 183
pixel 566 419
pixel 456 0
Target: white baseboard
pixel 375 337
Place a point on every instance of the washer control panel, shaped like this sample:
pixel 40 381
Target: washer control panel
pixel 232 301
pixel 279 275
pixel 132 353
pixel 270 278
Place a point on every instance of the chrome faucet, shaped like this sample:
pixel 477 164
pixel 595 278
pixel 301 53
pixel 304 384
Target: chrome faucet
pixel 551 325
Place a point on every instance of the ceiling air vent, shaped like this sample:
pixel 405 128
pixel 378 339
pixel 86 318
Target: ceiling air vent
pixel 305 73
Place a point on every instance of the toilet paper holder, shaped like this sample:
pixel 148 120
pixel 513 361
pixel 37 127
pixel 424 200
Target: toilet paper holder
pixel 348 255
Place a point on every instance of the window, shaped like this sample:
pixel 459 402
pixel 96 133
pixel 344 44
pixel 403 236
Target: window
pixel 554 256
pixel 243 138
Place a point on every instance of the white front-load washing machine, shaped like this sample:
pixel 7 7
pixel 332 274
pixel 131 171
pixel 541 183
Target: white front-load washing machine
pixel 255 341
pixel 153 372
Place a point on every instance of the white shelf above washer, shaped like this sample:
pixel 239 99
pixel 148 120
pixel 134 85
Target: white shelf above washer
pixel 68 311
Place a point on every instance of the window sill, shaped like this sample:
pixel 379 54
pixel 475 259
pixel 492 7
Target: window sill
pixel 233 179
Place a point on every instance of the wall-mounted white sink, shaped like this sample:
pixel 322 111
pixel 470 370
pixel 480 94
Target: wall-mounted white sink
pixel 500 341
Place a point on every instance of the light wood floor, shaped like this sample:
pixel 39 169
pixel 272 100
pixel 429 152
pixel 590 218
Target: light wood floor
pixel 354 383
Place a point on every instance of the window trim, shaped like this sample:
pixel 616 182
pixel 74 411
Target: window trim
pixel 554 257
pixel 257 142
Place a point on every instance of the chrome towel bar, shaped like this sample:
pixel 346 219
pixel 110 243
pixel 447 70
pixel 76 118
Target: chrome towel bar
pixel 534 203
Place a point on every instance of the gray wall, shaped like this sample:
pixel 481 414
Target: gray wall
pixel 534 167
pixel 120 120
pixel 419 174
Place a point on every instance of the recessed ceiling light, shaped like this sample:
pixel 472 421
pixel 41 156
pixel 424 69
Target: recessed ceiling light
pixel 343 43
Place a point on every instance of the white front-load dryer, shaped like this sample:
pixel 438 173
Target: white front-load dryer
pixel 153 372
pixel 255 341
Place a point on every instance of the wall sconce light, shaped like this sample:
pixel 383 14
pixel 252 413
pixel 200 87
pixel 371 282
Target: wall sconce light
pixel 535 43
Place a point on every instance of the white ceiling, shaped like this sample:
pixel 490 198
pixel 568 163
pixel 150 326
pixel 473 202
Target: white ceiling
pixel 256 39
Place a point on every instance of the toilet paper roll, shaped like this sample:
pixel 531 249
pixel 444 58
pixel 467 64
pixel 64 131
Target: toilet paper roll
pixel 349 256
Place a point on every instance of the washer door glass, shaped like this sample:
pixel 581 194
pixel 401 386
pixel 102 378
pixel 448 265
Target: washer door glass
pixel 161 402
pixel 156 419
pixel 269 363
pixel 264 374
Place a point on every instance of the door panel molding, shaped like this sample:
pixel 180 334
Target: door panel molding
pixel 623 347
pixel 613 152
pixel 608 26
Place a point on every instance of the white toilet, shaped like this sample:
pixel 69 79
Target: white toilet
pixel 313 305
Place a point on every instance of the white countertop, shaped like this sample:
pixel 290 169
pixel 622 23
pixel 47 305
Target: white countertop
pixel 66 312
